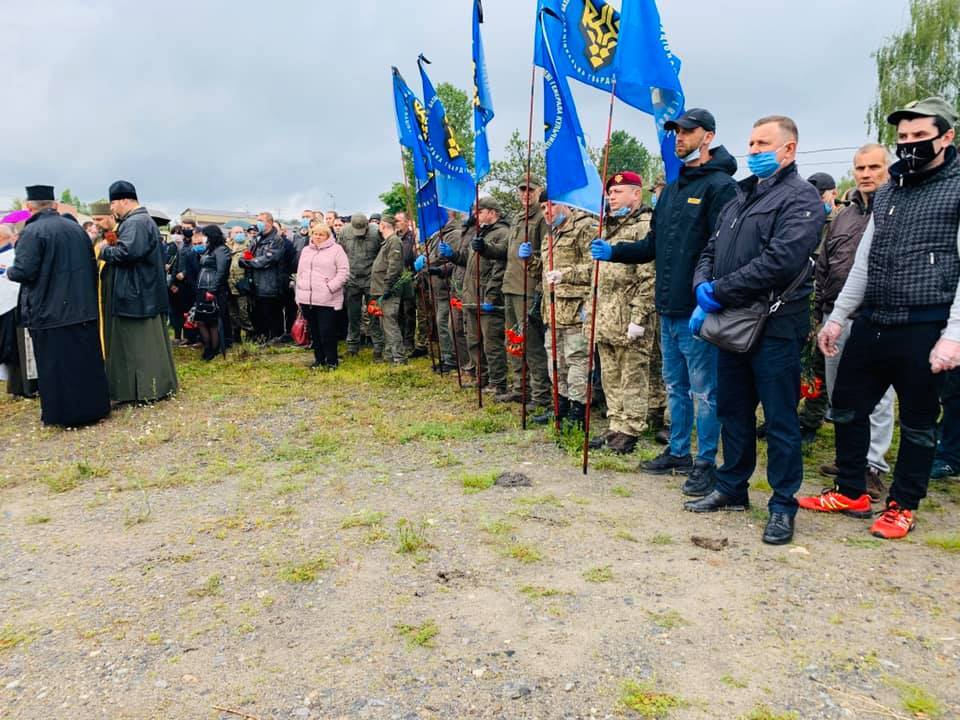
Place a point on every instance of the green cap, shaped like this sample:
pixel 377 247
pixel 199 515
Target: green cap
pixel 488 203
pixel 535 182
pixel 928 107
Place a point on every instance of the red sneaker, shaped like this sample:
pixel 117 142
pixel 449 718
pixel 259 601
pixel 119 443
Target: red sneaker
pixel 834 501
pixel 894 523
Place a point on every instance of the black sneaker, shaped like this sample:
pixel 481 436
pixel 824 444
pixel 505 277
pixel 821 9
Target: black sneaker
pixel 701 481
pixel 667 464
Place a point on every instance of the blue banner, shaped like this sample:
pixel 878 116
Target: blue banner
pixel 482 102
pixel 572 178
pixel 455 186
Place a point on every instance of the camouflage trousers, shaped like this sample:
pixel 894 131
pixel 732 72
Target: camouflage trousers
pixel 389 325
pixel 356 300
pixel 538 381
pixel 633 383
pixel 572 357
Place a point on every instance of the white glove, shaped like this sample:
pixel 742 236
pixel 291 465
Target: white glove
pixel 554 276
pixel 634 331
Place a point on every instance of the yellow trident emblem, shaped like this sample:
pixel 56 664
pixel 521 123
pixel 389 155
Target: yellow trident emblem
pixel 421 114
pixel 453 147
pixel 600 30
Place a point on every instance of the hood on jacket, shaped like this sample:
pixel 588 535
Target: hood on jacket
pixel 720 161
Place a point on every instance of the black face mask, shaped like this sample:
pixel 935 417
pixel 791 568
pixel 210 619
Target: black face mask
pixel 917 155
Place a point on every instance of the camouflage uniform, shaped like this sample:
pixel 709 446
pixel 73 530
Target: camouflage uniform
pixel 384 274
pixel 441 271
pixel 492 265
pixel 571 256
pixel 238 305
pixel 534 229
pixel 462 333
pixel 630 370
pixel 361 241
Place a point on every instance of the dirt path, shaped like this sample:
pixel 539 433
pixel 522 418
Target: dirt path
pixel 301 550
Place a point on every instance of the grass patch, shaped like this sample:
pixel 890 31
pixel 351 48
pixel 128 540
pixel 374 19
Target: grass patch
pixel 364 518
pixel 532 500
pixel 411 538
pixel 950 543
pixel 645 700
pixel 760 514
pixel 733 682
pixel 498 528
pixel 624 535
pixel 668 619
pixel 536 592
pixel 37 519
pixel 599 574
pixel 10 637
pixel 521 552
pixel 621 491
pixel 661 539
pixel 70 477
pixel 419 635
pixel 916 700
pixel 763 712
pixel 863 542
pixel 213 586
pixel 305 572
pixel 478 483
pixel 761 485
pixel 613 463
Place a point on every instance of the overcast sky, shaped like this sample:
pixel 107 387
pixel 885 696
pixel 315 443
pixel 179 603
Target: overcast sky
pixel 286 105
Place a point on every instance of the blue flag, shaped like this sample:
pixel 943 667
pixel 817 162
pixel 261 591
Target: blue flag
pixel 593 42
pixel 572 178
pixel 411 124
pixel 482 102
pixel 455 186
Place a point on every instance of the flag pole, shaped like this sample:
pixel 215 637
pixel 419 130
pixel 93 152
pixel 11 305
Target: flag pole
pixel 479 328
pixel 524 329
pixel 553 329
pixel 596 281
pixel 433 329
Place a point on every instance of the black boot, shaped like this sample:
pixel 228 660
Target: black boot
pixel 546 417
pixel 576 414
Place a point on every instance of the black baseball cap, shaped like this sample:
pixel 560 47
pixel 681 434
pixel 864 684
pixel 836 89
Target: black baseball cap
pixel 693 118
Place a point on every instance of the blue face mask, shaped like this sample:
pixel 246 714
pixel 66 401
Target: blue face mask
pixel 558 219
pixel 304 223
pixel 653 201
pixel 622 212
pixel 828 208
pixel 764 164
pixel 198 249
pixel 260 226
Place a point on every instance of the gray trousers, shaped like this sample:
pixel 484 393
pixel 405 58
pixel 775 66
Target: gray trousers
pixel 881 419
pixel 445 331
pixel 392 336
pixel 538 381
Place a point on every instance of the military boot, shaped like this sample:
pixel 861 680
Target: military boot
pixel 577 414
pixel 546 417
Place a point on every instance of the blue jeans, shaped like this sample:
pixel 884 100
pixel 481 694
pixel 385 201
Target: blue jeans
pixel 770 375
pixel 690 373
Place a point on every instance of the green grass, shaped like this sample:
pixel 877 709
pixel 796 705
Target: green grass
pixel 497 528
pixel 863 542
pixel 763 712
pixel 646 701
pixel 522 552
pixel 213 586
pixel 411 538
pixel 662 539
pixel 621 491
pixel 625 535
pixel 667 619
pixel 536 592
pixel 305 572
pixel 733 682
pixel 419 635
pixel 478 483
pixel 950 543
pixel 532 500
pixel 916 700
pixel 364 518
pixel 600 574
pixel 37 519
pixel 11 637
pixel 71 476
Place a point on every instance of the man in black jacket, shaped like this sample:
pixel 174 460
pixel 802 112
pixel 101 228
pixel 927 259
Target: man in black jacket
pixel 57 272
pixel 269 280
pixel 683 219
pixel 763 242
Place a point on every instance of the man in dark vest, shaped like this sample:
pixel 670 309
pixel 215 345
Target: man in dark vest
pixel 904 284
pixel 57 273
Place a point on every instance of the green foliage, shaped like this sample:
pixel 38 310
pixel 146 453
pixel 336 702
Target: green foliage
pixel 419 635
pixel 950 543
pixel 476 483
pixel 763 712
pixel 509 172
pixel 395 199
pixel 599 574
pixel 305 572
pixel 213 586
pixel 646 701
pixel 919 62
pixel 68 198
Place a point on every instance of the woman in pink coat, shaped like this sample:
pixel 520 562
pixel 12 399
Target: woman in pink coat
pixel 321 274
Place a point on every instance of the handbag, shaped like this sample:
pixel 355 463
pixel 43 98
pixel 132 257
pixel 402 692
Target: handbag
pixel 206 311
pixel 300 332
pixel 738 330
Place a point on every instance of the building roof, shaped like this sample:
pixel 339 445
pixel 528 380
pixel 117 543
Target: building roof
pixel 219 213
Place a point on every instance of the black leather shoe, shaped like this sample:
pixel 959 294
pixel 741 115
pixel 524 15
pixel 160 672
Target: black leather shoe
pixel 701 480
pixel 779 530
pixel 716 501
pixel 667 464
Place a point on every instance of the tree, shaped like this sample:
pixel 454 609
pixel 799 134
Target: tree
pixel 917 63
pixel 395 199
pixel 628 153
pixel 16 204
pixel 509 172
pixel 844 184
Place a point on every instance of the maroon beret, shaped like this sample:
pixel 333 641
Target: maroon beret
pixel 625 178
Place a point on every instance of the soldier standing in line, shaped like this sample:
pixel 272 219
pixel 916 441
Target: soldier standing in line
pixel 441 270
pixel 361 241
pixel 386 271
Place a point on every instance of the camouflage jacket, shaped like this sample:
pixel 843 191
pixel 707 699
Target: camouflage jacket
pixel 513 275
pixel 492 264
pixel 571 255
pixel 361 249
pixel 625 292
pixel 387 267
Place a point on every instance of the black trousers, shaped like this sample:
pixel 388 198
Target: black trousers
pixel 268 317
pixel 323 333
pixel 948 449
pixel 876 357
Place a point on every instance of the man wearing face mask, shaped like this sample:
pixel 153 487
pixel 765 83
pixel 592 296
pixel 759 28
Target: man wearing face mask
pixel 627 331
pixel 904 283
pixel 762 244
pixel 267 266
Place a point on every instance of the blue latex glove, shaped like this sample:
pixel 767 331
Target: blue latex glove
pixel 420 263
pixel 525 251
pixel 696 320
pixel 445 250
pixel 487 307
pixel 601 250
pixel 705 298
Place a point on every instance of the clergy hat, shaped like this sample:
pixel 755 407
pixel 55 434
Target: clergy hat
pixel 39 193
pixel 122 190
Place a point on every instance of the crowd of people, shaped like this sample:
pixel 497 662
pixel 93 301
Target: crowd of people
pixel 699 304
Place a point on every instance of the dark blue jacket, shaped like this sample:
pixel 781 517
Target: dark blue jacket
pixel 763 240
pixel 683 220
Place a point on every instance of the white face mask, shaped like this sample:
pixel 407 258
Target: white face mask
pixel 692 157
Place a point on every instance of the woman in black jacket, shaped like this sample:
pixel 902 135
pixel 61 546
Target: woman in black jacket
pixel 184 285
pixel 211 316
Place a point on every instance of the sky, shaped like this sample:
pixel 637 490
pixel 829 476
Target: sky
pixel 287 105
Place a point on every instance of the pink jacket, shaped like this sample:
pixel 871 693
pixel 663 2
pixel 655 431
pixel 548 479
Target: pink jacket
pixel 321 275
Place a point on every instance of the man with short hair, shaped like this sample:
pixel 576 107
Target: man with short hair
pixel 385 272
pixel 870 172
pixel 140 365
pixel 904 281
pixel 267 266
pixel 57 272
pixel 526 238
pixel 361 241
pixel 762 245
pixel 683 220
pixel 627 331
